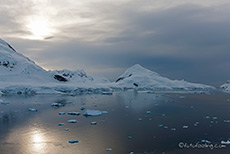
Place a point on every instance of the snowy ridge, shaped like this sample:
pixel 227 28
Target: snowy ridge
pixel 20 75
pixel 138 77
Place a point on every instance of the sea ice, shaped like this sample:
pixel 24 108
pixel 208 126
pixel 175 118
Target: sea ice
pixel 148 112
pixel 74 113
pixel 61 113
pixel 89 112
pixel 73 141
pixel 72 121
pixel 185 127
pixel 108 149
pixel 82 108
pixel 225 142
pixel 206 141
pixel 32 109
pixel 4 102
pixel 57 104
pixel 93 123
pixel 60 124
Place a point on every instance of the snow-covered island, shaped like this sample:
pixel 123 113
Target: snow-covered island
pixel 20 75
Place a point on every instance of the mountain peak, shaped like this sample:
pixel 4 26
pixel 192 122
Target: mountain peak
pixel 6 46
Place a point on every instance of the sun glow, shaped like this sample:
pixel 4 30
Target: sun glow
pixel 39 28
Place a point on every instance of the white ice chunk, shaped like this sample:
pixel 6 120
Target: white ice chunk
pixel 108 149
pixel 93 123
pixel 225 142
pixel 74 113
pixel 185 127
pixel 73 141
pixel 32 109
pixel 61 113
pixel 89 112
pixel 72 121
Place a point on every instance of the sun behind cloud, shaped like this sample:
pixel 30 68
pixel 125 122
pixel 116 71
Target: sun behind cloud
pixel 39 27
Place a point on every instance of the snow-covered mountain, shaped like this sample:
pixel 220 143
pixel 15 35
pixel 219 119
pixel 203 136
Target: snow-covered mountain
pixel 16 68
pixel 226 86
pixel 19 74
pixel 138 77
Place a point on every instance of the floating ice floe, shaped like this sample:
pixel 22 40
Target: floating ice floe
pixel 185 127
pixel 108 149
pixel 225 142
pixel 227 121
pixel 206 141
pixel 32 110
pixel 61 113
pixel 93 123
pixel 61 124
pixel 73 141
pixel 74 113
pixel 72 121
pixel 4 102
pixel 139 119
pixel 214 118
pixel 182 97
pixel 89 112
pixel 173 129
pixel 107 93
pixel 57 104
pixel 166 127
pixel 196 124
pixel 68 102
pixel 82 108
pixel 130 137
pixel 207 117
pixel 66 129
pixel 148 112
pixel 160 125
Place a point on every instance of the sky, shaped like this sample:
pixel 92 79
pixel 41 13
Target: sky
pixel 179 39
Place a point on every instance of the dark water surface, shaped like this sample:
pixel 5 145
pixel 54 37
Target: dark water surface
pixel 125 128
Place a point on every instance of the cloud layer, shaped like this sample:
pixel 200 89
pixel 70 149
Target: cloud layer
pixel 178 39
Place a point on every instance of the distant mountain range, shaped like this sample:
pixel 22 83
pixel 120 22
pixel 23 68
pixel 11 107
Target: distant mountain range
pixel 19 74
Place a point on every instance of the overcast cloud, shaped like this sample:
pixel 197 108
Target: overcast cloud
pixel 179 39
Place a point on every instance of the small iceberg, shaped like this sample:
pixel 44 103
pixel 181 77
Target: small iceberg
pixel 61 124
pixel 107 93
pixel 148 112
pixel 108 149
pixel 93 123
pixel 225 142
pixel 74 113
pixel 4 102
pixel 57 104
pixel 61 113
pixel 32 110
pixel 72 121
pixel 185 127
pixel 73 141
pixel 82 108
pixel 89 112
pixel 206 141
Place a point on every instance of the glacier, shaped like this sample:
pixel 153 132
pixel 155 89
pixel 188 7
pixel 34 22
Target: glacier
pixel 20 75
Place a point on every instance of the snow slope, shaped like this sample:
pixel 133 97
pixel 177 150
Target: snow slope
pixel 141 78
pixel 19 74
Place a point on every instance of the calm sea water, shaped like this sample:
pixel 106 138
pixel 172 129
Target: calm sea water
pixel 141 123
